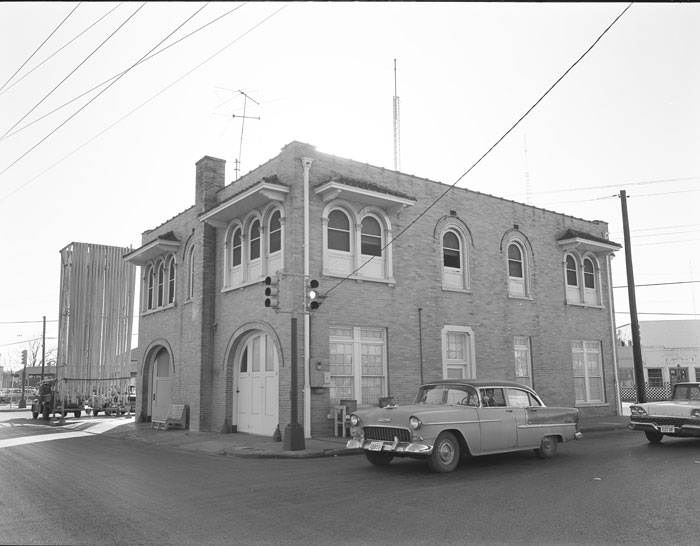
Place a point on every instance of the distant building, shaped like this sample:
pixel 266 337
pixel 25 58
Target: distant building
pixel 476 287
pixel 670 353
pixel 34 374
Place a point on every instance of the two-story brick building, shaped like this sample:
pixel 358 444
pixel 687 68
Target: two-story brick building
pixel 418 280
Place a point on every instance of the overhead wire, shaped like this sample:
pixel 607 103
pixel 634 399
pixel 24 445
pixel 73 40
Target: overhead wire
pixel 81 63
pixel 148 58
pixel 40 45
pixel 47 59
pixel 153 97
pixel 100 93
pixel 488 151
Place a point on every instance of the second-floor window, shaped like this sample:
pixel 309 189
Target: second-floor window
pixel 576 271
pixel 338 231
pixel 160 283
pixel 517 285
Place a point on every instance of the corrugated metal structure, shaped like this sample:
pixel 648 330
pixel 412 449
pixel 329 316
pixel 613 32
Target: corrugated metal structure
pixel 95 322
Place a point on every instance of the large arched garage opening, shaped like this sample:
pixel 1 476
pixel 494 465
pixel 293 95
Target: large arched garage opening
pixel 253 364
pixel 157 381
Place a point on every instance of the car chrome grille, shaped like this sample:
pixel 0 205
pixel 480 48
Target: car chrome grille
pixel 387 434
pixel 659 420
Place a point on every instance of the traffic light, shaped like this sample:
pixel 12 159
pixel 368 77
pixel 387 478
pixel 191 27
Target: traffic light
pixel 24 357
pixel 272 292
pixel 312 295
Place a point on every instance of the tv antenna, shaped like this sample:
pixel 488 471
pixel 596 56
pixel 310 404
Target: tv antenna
pixel 397 136
pixel 237 161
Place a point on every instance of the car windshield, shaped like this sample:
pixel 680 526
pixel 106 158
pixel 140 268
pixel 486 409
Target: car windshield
pixel 447 395
pixel 686 392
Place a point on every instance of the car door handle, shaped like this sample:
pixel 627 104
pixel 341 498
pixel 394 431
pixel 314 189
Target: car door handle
pixel 509 410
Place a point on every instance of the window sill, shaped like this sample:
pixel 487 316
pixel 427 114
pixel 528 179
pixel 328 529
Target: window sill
pixel 242 285
pixel 390 281
pixel 460 290
pixel 158 310
pixel 591 405
pixel 585 305
pixel 522 298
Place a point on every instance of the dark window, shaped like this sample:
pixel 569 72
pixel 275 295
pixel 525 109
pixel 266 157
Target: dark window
pixel 244 361
pixel 571 274
pixel 451 254
pixel 151 281
pixel 371 237
pixel 275 232
pixel 338 231
pixel 171 281
pixel 255 240
pixel 588 273
pixel 161 283
pixel 655 376
pixel 236 248
pixel 515 261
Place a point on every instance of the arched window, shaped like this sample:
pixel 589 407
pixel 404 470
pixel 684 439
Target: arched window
pixel 150 281
pixel 371 241
pixel 591 294
pixel 453 260
pixel 338 231
pixel 588 274
pixel 275 232
pixel 236 248
pixel 451 250
pixel 573 290
pixel 571 272
pixel 255 240
pixel 190 274
pixel 517 285
pixel 171 281
pixel 161 283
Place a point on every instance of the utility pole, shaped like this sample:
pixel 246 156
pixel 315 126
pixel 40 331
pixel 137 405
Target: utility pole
pixel 634 322
pixel 43 347
pixel 293 433
pixel 397 126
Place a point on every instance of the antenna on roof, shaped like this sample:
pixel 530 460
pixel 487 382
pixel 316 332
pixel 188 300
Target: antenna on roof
pixel 397 136
pixel 527 171
pixel 237 161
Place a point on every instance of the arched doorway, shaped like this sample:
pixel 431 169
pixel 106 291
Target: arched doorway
pixel 160 384
pixel 256 369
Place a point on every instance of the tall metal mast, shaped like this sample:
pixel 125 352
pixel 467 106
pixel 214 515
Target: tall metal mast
pixel 237 161
pixel 397 123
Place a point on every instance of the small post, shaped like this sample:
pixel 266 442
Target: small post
pixel 293 432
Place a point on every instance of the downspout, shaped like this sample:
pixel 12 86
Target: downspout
pixel 306 163
pixel 618 401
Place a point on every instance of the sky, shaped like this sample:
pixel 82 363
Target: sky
pixel 121 159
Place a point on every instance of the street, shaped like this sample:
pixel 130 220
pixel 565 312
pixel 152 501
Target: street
pixel 609 488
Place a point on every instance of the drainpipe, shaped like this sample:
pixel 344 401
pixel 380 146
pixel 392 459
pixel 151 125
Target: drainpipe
pixel 618 399
pixel 306 163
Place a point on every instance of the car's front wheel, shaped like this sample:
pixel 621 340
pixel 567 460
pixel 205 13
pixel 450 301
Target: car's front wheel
pixel 379 458
pixel 548 448
pixel 654 436
pixel 445 455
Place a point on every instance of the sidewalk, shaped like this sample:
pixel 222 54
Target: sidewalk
pixel 252 446
pixel 263 447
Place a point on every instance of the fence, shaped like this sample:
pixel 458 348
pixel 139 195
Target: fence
pixel 653 392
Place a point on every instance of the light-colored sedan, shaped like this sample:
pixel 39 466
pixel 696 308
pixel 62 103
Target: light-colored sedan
pixel 454 418
pixel 678 417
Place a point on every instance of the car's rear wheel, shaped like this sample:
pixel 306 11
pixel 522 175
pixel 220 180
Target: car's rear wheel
pixel 445 455
pixel 379 458
pixel 548 447
pixel 654 436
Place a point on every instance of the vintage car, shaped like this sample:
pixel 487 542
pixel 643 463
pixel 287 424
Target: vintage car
pixel 453 418
pixel 678 417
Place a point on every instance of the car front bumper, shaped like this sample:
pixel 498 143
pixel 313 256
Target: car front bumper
pixel 675 427
pixel 398 448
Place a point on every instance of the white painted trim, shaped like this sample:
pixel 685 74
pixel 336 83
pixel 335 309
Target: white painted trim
pixel 471 360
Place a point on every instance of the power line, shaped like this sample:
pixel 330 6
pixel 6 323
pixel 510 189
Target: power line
pixel 512 127
pixel 26 321
pixel 101 92
pixel 40 45
pixel 264 20
pixel 661 314
pixel 607 186
pixel 47 59
pixel 81 63
pixel 148 58
pixel 25 341
pixel 658 284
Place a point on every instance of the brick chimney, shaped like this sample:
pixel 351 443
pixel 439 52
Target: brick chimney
pixel 209 180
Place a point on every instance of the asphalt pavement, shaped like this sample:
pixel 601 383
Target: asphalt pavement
pixel 253 446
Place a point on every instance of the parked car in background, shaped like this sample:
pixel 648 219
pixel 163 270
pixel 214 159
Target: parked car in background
pixel 454 418
pixel 679 417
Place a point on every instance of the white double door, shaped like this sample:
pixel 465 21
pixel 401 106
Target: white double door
pixel 257 387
